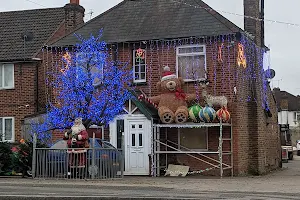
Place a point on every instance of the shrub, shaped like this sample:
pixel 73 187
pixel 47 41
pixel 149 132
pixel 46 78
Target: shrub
pixel 22 155
pixel 5 155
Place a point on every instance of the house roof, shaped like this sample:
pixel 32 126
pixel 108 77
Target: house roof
pixel 137 20
pixel 293 101
pixel 42 23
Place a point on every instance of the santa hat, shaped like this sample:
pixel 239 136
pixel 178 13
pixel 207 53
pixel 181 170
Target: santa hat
pixel 167 74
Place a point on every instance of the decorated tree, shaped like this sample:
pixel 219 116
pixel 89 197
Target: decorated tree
pixel 90 85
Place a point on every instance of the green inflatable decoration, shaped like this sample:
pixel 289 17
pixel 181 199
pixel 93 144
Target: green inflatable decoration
pixel 194 112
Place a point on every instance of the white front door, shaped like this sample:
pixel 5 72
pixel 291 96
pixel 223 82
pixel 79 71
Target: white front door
pixel 137 148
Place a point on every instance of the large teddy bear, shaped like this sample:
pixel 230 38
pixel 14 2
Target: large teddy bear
pixel 172 103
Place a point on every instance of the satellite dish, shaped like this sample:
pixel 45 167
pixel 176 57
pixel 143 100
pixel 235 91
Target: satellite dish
pixel 270 73
pixel 27 36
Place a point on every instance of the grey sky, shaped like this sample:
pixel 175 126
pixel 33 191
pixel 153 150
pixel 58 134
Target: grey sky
pixel 282 39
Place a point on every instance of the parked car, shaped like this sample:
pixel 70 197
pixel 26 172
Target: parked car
pixel 106 162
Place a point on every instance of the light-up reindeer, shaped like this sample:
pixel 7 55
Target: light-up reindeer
pixel 213 100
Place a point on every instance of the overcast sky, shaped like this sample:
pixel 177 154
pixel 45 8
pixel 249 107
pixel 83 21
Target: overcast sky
pixel 282 39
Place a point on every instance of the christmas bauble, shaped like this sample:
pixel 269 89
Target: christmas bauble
pixel 223 114
pixel 194 112
pixel 207 114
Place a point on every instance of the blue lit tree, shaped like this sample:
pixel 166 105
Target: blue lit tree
pixel 89 85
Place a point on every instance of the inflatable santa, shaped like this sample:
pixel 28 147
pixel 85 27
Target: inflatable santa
pixel 77 143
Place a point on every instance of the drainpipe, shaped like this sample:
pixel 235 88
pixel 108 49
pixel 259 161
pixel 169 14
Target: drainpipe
pixel 37 86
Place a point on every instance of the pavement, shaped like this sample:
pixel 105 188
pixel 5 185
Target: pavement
pixel 282 184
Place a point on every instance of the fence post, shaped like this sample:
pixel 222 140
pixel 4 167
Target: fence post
pixel 33 167
pixel 93 157
pixel 122 156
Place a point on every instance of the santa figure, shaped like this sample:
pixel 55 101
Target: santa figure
pixel 77 142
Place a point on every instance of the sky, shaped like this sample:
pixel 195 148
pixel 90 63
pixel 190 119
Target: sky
pixel 280 38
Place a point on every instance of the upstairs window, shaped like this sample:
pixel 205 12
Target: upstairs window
pixel 95 67
pixel 191 62
pixel 139 65
pixel 7 76
pixel 7 129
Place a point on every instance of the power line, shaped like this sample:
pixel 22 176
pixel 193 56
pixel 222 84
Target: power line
pixel 35 3
pixel 239 15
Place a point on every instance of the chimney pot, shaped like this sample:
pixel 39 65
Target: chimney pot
pixel 74 2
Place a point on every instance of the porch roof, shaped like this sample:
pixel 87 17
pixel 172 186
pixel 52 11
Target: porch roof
pixel 147 109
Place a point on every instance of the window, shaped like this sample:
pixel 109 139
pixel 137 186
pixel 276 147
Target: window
pixel 96 67
pixel 191 62
pixel 7 129
pixel 193 139
pixel 7 76
pixel 297 116
pixel 139 66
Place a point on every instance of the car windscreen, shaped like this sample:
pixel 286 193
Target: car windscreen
pixel 108 145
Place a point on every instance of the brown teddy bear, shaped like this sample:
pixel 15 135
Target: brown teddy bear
pixel 172 103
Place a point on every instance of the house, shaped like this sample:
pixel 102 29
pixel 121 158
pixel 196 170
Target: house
pixel 288 116
pixel 189 36
pixel 22 36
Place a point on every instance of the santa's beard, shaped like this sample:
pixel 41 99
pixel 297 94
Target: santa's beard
pixel 76 129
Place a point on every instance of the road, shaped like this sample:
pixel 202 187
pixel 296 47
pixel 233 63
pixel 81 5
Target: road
pixel 283 184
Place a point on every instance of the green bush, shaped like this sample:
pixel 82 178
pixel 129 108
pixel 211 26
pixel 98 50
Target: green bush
pixel 21 156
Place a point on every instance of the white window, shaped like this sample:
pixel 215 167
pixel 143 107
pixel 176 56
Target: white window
pixel 7 76
pixel 139 65
pixel 7 130
pixel 191 62
pixel 194 139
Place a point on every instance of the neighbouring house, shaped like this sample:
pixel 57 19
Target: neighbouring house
pixel 188 36
pixel 288 116
pixel 22 36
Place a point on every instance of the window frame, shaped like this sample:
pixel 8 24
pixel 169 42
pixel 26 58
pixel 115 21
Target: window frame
pixel 12 127
pixel 297 116
pixel 3 87
pixel 195 150
pixel 133 66
pixel 190 55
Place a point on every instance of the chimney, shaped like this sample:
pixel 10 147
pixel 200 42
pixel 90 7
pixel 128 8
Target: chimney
pixel 253 10
pixel 74 14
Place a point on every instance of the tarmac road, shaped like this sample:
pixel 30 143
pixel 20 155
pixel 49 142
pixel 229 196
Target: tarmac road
pixel 56 191
pixel 284 184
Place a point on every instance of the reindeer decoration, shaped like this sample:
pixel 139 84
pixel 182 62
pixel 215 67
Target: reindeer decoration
pixel 213 100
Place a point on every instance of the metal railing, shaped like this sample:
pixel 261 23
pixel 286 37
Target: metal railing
pixel 88 163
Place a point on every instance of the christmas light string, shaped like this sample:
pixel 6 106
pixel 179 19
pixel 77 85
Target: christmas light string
pixel 223 66
pixel 215 48
pixel 228 63
pixel 239 15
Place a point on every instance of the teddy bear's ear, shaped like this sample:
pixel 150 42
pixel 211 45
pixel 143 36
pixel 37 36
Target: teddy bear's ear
pixel 181 81
pixel 158 86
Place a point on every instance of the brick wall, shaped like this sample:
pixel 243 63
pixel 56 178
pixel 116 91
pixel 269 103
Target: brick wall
pixel 13 101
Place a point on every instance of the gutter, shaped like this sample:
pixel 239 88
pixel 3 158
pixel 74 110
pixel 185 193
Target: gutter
pixel 27 60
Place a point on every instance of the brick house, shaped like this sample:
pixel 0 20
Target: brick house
pixel 22 36
pixel 189 35
pixel 288 118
